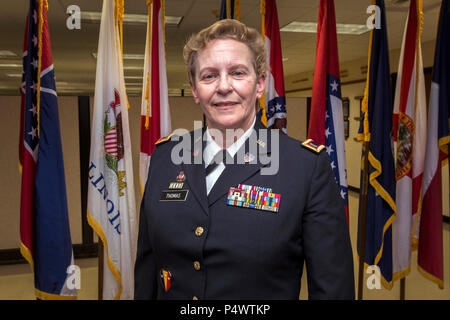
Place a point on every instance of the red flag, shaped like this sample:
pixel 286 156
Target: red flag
pixel 326 122
pixel 430 256
pixel 155 114
pixel 274 99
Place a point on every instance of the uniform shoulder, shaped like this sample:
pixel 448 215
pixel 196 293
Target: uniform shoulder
pixel 313 146
pixel 309 144
pixel 163 140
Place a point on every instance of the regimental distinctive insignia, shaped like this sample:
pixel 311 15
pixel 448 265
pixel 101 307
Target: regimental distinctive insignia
pixel 312 145
pixel 163 139
pixel 166 279
pixel 254 197
pixel 113 140
pixel 181 177
pixel 248 157
pixel 176 185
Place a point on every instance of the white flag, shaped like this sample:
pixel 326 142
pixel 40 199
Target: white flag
pixel 410 129
pixel 111 202
pixel 155 113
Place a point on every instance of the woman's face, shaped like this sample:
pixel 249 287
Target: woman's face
pixel 226 85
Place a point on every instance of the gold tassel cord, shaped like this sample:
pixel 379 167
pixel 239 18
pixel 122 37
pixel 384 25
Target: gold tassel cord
pixel 262 100
pixel 237 10
pixel 149 40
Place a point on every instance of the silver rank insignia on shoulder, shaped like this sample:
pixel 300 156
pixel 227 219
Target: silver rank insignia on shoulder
pixel 312 145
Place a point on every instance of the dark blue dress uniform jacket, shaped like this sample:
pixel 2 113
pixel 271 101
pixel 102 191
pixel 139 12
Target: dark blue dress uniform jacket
pixel 244 253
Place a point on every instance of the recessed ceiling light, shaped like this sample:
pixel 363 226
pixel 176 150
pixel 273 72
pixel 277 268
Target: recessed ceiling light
pixel 95 17
pixel 133 68
pixel 311 27
pixel 126 56
pixel 133 77
pixel 14 75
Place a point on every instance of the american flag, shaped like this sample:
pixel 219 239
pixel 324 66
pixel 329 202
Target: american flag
pixel 44 222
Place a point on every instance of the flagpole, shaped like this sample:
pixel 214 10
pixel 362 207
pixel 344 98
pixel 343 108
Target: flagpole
pixel 362 226
pixel 100 269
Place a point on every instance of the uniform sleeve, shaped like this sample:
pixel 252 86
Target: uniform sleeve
pixel 326 240
pixel 145 269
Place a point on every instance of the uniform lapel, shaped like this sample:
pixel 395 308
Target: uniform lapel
pixel 195 171
pixel 235 174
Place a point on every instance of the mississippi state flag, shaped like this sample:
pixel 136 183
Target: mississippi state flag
pixel 430 255
pixel 44 222
pixel 155 113
pixel 326 122
pixel 274 98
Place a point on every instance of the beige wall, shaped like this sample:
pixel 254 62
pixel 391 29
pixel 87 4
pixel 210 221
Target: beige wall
pixel 183 113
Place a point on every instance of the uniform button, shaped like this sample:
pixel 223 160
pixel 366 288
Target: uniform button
pixel 196 265
pixel 199 231
pixel 194 298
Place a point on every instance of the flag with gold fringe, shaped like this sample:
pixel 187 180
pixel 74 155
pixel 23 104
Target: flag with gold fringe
pixel 155 112
pixel 376 130
pixel 430 247
pixel 230 9
pixel 410 135
pixel 44 221
pixel 273 101
pixel 111 202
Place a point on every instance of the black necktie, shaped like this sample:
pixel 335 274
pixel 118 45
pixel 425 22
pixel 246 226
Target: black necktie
pixel 220 157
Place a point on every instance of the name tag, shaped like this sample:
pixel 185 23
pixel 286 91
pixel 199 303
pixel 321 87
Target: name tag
pixel 174 195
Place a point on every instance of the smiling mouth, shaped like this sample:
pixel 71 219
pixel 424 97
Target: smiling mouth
pixel 225 104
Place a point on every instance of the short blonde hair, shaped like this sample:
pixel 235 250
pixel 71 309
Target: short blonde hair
pixel 226 29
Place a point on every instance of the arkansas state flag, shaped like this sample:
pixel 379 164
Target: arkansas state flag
pixel 410 133
pixel 273 102
pixel 430 255
pixel 111 203
pixel 326 122
pixel 44 222
pixel 155 113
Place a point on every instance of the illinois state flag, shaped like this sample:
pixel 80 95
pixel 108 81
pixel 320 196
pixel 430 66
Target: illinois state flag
pixel 326 122
pixel 410 133
pixel 430 255
pixel 274 98
pixel 155 112
pixel 111 203
pixel 376 130
pixel 44 222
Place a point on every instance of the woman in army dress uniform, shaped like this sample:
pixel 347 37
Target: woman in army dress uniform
pixel 240 216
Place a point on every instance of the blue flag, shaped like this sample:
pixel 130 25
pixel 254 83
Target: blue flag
pixel 230 9
pixel 376 128
pixel 44 221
